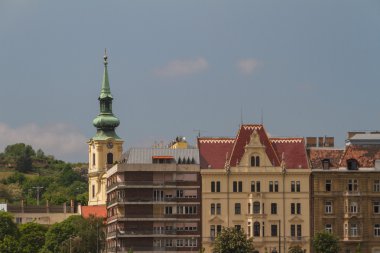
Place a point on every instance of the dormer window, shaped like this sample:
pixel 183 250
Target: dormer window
pixel 352 164
pixel 326 164
pixel 255 161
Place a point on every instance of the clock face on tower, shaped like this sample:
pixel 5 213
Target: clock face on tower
pixel 110 145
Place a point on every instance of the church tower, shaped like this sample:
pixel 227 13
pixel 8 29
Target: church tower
pixel 105 147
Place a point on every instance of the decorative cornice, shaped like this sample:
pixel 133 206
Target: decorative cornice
pixel 216 141
pixel 286 140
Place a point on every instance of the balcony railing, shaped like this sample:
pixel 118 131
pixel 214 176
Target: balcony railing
pixel 153 183
pixel 125 200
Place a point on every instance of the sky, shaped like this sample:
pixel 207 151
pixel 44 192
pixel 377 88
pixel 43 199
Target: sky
pixel 304 68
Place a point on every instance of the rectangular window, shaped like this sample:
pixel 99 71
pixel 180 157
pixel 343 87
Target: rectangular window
pixel 298 186
pixel 276 186
pixel 237 227
pixel 93 158
pixel 328 228
pixel 293 186
pixel 293 208
pixel 212 231
pixel 212 209
pixel 168 242
pixel 270 186
pixel 292 230
pixel 354 230
pixel 376 207
pixel 218 229
pixel 215 186
pixel 258 189
pixel 93 191
pixel 240 186
pixel 376 231
pixel 237 186
pixel 352 185
pixel 298 208
pixel 234 186
pixel 328 207
pixel 299 230
pixel 376 186
pixel 273 208
pixel 273 229
pixel 328 185
pixel 168 210
pixel 249 208
pixel 237 208
pixel 218 209
pixel 179 193
pixel 253 186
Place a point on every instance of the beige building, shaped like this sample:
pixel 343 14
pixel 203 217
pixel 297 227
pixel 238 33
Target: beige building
pixel 346 192
pixel 259 184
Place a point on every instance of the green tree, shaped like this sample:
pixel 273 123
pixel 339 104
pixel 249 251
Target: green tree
pixel 325 242
pixel 21 155
pixel 295 249
pixel 32 237
pixel 59 233
pixel 7 226
pixel 82 235
pixel 233 240
pixel 9 245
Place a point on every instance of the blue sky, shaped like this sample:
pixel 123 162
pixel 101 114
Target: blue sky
pixel 312 67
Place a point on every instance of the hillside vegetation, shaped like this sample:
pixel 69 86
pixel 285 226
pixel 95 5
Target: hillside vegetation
pixel 23 170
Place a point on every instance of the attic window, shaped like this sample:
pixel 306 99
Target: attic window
pixel 255 161
pixel 352 164
pixel 326 164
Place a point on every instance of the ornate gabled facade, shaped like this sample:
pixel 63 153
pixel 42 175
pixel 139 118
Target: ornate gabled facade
pixel 259 184
pixel 105 147
pixel 346 192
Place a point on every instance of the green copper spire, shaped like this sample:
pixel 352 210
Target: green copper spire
pixel 106 90
pixel 105 122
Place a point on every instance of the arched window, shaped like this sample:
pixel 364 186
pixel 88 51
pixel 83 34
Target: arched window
pixel 109 158
pixel 256 207
pixel 256 229
pixel 255 161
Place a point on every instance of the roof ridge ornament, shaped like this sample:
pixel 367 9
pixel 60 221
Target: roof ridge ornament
pixel 105 57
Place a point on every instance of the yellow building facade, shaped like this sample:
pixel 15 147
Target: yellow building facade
pixel 259 184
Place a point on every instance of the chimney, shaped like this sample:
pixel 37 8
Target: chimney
pixel 320 142
pixel 311 142
pixel 329 141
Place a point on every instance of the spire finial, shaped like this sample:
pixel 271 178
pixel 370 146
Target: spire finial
pixel 105 57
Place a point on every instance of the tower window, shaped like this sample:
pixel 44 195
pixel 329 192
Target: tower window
pixel 255 161
pixel 93 191
pixel 93 158
pixel 109 158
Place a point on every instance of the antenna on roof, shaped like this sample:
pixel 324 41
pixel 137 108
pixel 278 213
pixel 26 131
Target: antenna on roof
pixel 241 115
pixel 262 116
pixel 198 131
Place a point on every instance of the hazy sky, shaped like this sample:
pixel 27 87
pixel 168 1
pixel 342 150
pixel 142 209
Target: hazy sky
pixel 312 67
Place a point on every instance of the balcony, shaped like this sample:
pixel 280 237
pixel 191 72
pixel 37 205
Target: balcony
pixel 299 239
pixel 352 194
pixel 156 184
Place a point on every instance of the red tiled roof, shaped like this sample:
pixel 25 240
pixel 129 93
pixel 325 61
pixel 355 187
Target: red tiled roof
pixel 316 155
pixel 294 152
pixel 97 211
pixel 364 154
pixel 243 138
pixel 213 151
